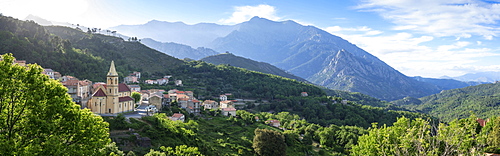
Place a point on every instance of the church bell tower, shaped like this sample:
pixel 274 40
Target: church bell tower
pixel 112 89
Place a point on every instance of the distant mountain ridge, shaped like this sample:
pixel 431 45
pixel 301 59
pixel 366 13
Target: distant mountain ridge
pixel 305 51
pixel 231 59
pixel 480 77
pixel 197 35
pixel 179 50
pixel 447 84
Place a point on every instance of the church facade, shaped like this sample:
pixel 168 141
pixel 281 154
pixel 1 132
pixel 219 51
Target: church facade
pixel 112 97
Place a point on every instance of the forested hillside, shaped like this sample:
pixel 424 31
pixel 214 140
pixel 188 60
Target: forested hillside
pixel 482 100
pixel 237 61
pixel 325 111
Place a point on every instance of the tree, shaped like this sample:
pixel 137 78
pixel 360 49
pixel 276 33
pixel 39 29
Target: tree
pixel 136 96
pixel 269 143
pixel 37 116
pixel 181 150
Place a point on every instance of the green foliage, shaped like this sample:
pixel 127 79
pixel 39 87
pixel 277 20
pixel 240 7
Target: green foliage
pixel 421 137
pixel 324 111
pixel 269 143
pixel 482 100
pixel 136 96
pixel 117 123
pixel 38 117
pixel 181 150
pixel 112 149
pixel 240 82
pixel 356 97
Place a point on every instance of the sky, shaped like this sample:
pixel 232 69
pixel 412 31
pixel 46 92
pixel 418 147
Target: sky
pixel 429 38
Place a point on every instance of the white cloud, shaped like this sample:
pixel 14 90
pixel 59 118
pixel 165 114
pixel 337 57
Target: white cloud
pixel 409 54
pixel 244 13
pixel 367 31
pixel 461 18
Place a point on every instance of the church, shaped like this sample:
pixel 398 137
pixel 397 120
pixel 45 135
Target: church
pixel 112 97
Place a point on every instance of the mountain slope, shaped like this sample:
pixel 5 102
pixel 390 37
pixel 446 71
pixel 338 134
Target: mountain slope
pixel 231 59
pixel 320 58
pixel 482 100
pixel 179 50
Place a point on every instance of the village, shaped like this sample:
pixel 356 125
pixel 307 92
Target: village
pixel 111 98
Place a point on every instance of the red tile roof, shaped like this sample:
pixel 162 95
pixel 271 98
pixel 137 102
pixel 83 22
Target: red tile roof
pixel 95 85
pixel 183 99
pixel 272 121
pixel 481 122
pixel 70 83
pixel 180 92
pixel 99 93
pixel 84 83
pixel 177 115
pixel 196 101
pixel 122 87
pixel 208 101
pixel 228 109
pixel 125 98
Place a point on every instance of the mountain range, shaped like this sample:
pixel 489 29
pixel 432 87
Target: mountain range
pixel 305 51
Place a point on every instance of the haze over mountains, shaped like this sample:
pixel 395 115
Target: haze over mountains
pixel 487 77
pixel 305 51
pixel 180 51
pixel 198 35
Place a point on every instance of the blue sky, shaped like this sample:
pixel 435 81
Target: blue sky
pixel 429 38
